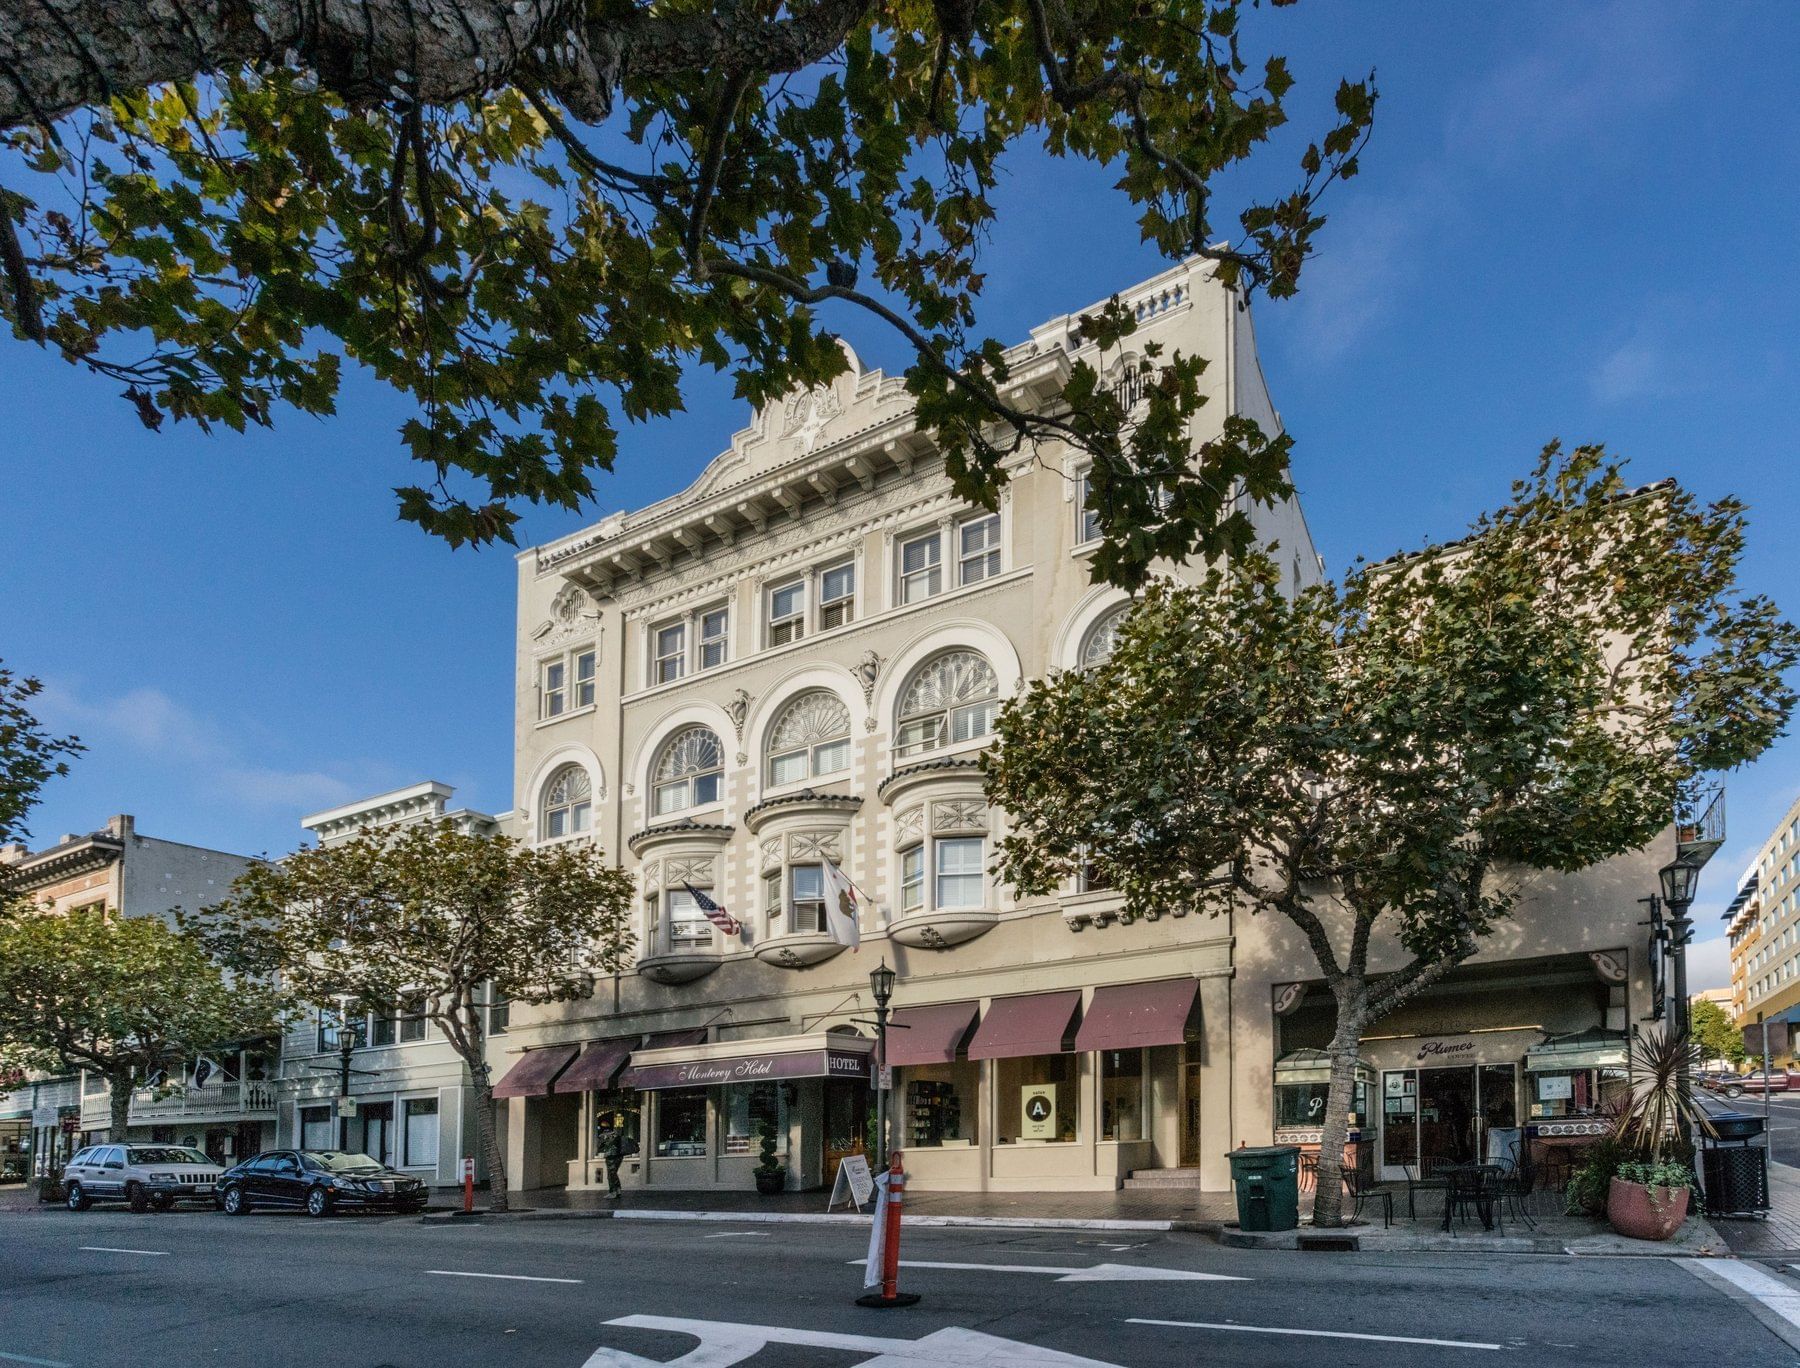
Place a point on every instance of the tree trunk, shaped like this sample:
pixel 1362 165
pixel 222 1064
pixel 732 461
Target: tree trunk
pixel 1328 1197
pixel 490 1141
pixel 118 1082
pixel 462 1026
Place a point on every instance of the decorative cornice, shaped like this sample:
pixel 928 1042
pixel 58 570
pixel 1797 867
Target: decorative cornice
pixel 706 831
pixel 805 800
pixel 82 855
pixel 901 779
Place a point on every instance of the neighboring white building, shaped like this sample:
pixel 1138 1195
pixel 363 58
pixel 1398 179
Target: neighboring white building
pixel 413 1100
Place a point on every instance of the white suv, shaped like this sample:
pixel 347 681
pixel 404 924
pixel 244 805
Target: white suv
pixel 143 1176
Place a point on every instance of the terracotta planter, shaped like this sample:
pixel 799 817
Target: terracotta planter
pixel 1646 1213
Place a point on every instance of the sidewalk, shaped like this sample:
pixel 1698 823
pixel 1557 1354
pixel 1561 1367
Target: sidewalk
pixel 1778 1235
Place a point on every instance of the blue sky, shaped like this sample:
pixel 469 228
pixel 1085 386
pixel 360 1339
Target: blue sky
pixel 1574 222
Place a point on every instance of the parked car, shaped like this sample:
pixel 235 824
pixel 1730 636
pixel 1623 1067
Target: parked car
pixel 318 1182
pixel 1759 1081
pixel 142 1176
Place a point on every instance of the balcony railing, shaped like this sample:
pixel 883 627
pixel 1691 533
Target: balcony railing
pixel 228 1099
pixel 1700 831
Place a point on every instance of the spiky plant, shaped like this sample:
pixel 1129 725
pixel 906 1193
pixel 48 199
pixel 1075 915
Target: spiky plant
pixel 1662 1098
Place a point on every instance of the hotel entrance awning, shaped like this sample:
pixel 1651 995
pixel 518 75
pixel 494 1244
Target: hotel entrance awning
pixel 533 1074
pixel 827 1055
pixel 1017 1026
pixel 598 1068
pixel 1129 1016
pixel 930 1035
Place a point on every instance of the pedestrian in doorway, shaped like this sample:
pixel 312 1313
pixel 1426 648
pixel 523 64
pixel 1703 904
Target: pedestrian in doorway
pixel 612 1149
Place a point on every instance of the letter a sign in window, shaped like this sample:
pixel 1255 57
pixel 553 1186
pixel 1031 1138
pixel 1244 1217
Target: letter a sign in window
pixel 1039 1112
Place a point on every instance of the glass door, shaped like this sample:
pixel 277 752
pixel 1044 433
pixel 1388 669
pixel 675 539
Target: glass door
pixel 378 1132
pixel 1190 1116
pixel 1399 1120
pixel 1499 1109
pixel 1447 1114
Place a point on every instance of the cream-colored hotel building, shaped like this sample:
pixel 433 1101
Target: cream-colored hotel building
pixel 799 658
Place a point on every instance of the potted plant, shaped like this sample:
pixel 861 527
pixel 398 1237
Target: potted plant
pixel 771 1173
pixel 1648 1189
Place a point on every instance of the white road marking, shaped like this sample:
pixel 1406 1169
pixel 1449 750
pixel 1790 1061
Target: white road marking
pixel 738 1235
pixel 1314 1334
pixel 1779 1298
pixel 723 1343
pixel 27 1358
pixel 504 1277
pixel 1106 1272
pixel 108 1249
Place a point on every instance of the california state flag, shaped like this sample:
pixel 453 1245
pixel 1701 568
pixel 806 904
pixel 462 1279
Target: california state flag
pixel 840 908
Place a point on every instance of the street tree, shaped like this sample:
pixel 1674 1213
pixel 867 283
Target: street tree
pixel 530 217
pixel 437 916
pixel 1712 1029
pixel 29 755
pixel 124 997
pixel 1380 761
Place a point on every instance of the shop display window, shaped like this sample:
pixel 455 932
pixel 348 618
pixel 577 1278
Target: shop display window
pixel 1574 1092
pixel 316 1130
pixel 616 1105
pixel 1122 1094
pixel 1301 1105
pixel 1052 1078
pixel 681 1123
pixel 941 1102
pixel 747 1107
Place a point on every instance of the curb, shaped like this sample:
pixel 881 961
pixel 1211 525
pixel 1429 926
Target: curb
pixel 819 1218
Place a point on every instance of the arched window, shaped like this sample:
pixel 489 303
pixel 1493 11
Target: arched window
pixel 1103 638
pixel 810 739
pixel 568 803
pixel 950 698
pixel 688 772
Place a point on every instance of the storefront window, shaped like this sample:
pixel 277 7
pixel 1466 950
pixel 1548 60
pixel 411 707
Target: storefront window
pixel 1121 1094
pixel 1573 1092
pixel 681 1123
pixel 618 1107
pixel 747 1107
pixel 1035 1098
pixel 421 1132
pixel 315 1128
pixel 941 1104
pixel 1300 1104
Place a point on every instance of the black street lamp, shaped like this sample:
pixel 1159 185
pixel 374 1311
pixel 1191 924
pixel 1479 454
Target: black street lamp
pixel 1680 881
pixel 346 1043
pixel 881 986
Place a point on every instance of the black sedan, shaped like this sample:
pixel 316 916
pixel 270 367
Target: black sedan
pixel 317 1182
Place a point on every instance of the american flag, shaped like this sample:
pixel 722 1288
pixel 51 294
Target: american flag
pixel 715 914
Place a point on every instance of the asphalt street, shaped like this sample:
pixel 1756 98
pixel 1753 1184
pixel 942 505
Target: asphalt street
pixel 1784 1120
pixel 107 1289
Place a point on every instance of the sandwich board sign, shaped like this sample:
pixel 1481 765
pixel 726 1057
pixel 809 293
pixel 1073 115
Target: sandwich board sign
pixel 854 1182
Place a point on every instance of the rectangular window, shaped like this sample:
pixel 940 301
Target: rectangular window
pixel 787 613
pixel 788 769
pixel 669 653
pixel 941 1104
pixel 959 872
pixel 715 628
pixel 748 1107
pixel 1121 1094
pixel 381 1029
pixel 687 923
pixel 921 568
pixel 584 680
pixel 912 879
pixel 412 1020
pixel 837 595
pixel 681 1123
pixel 1035 1099
pixel 772 895
pixel 421 1132
pixel 556 691
pixel 973 720
pixel 652 923
pixel 978 549
pixel 1087 522
pixel 807 885
pixel 499 1012
pixel 316 1129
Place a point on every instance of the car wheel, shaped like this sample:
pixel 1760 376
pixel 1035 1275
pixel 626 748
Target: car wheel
pixel 318 1202
pixel 1734 1091
pixel 234 1203
pixel 136 1198
pixel 163 1201
pixel 77 1199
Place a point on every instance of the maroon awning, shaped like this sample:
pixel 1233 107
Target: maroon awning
pixel 598 1066
pixel 830 1062
pixel 929 1035
pixel 666 1040
pixel 1126 1016
pixel 535 1071
pixel 1034 1025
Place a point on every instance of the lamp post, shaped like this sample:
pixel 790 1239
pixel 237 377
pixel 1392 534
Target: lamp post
pixel 881 986
pixel 1680 880
pixel 346 1043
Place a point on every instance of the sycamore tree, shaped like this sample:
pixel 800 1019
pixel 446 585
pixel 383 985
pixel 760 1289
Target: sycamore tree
pixel 123 997
pixel 29 755
pixel 1714 1032
pixel 1379 761
pixel 532 217
pixel 435 915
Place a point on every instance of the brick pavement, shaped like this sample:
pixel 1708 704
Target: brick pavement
pixel 1779 1234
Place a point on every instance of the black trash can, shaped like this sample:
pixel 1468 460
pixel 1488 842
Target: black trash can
pixel 1267 1179
pixel 1734 1171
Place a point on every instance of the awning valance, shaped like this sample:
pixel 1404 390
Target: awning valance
pixel 930 1035
pixel 1314 1066
pixel 1039 1024
pixel 1590 1049
pixel 1129 1016
pixel 830 1055
pixel 598 1068
pixel 535 1071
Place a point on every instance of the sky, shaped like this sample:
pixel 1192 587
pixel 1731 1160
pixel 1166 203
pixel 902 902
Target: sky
pixel 1573 221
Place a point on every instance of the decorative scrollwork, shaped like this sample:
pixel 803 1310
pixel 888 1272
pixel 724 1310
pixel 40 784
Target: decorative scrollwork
pixel 1287 997
pixel 959 814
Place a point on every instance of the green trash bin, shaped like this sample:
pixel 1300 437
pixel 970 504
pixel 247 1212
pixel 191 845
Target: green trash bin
pixel 1267 1179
